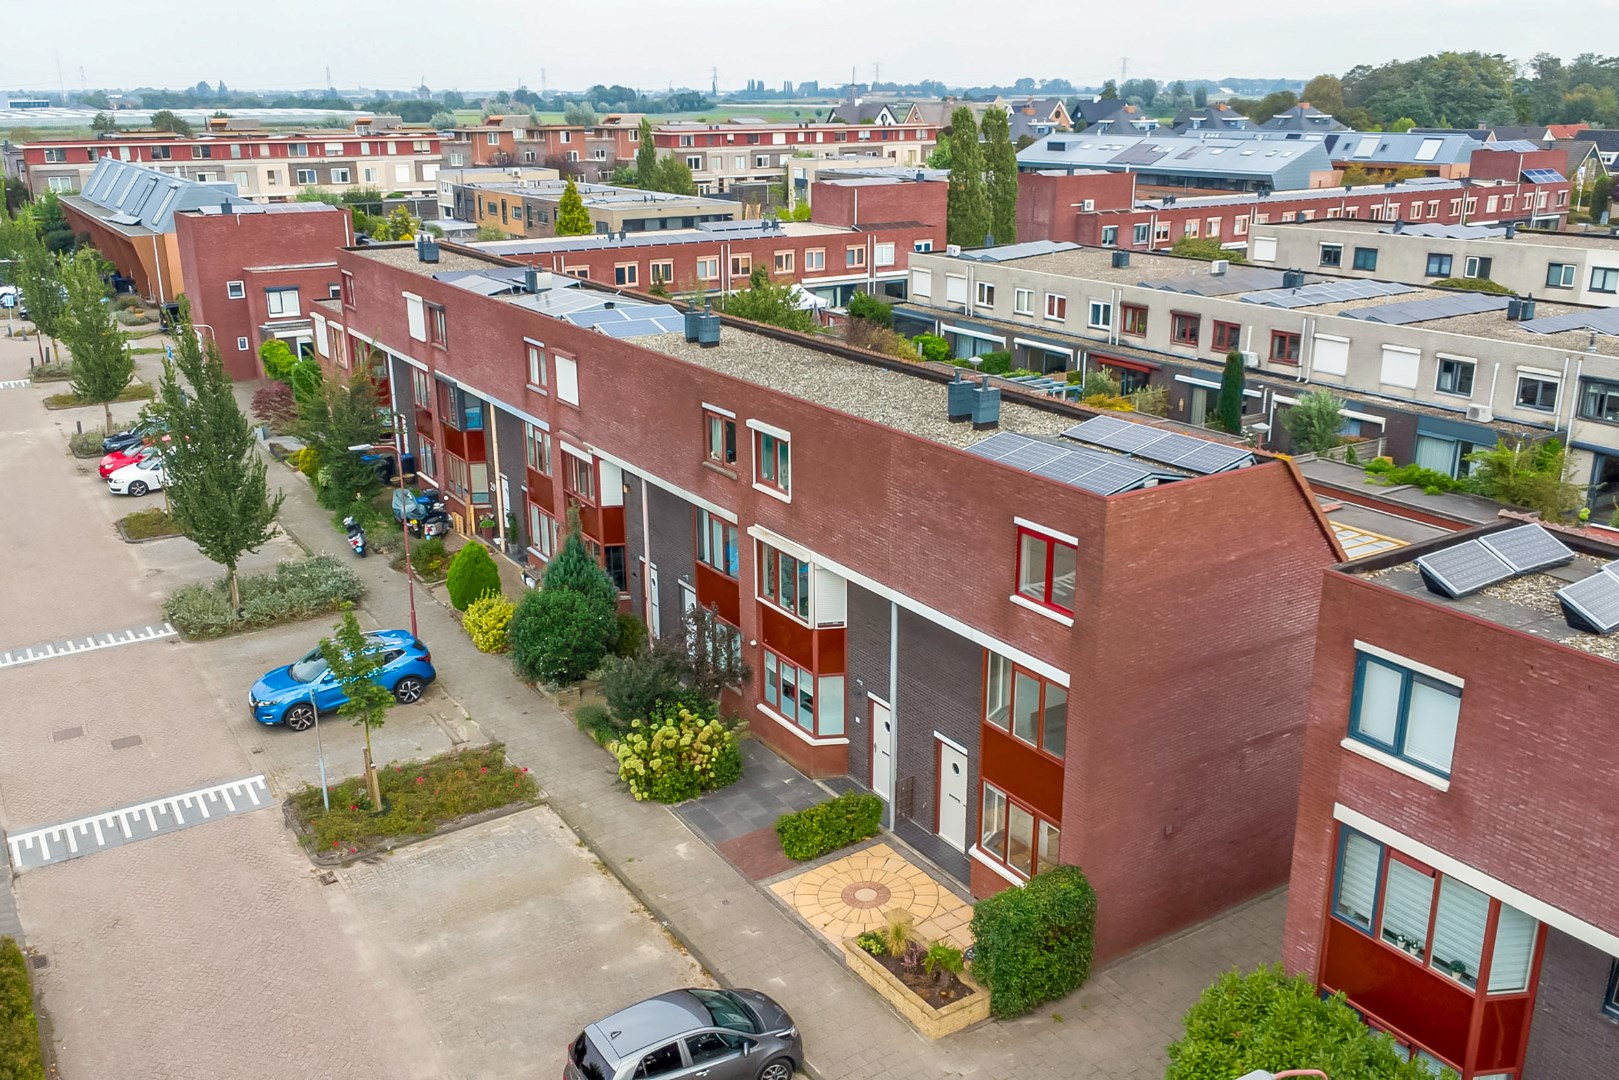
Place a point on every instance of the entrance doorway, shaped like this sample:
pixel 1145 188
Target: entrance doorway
pixel 882 751
pixel 952 795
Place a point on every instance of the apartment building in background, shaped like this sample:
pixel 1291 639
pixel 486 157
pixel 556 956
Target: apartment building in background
pixel 990 631
pixel 264 166
pixel 1428 375
pixel 723 157
pixel 1451 872
pixel 528 208
pixel 1562 267
pixel 589 152
pixel 458 186
pixel 252 273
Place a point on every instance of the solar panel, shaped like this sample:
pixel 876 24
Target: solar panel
pixel 1592 605
pixel 1462 570
pixel 999 445
pixel 1527 548
pixel 1603 321
pixel 1411 311
pixel 1543 176
pixel 1068 468
pixel 1120 435
pixel 1325 292
pixel 1212 458
pixel 1112 478
pixel 1032 456
pixel 1169 446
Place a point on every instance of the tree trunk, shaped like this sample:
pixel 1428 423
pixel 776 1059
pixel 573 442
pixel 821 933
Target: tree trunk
pixel 372 784
pixel 106 408
pixel 235 589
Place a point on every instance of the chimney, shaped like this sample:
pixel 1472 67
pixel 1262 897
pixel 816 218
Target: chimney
pixel 531 279
pixel 1512 230
pixel 426 248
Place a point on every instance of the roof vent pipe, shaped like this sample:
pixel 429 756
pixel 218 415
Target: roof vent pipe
pixel 531 279
pixel 1512 230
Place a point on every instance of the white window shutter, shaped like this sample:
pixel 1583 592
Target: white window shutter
pixel 417 316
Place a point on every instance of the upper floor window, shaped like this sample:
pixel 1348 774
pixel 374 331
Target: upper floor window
pixel 1022 299
pixel 235 290
pixel 1025 706
pixel 538 442
pixel 1560 275
pixel 346 285
pixel 986 294
pixel 1599 400
pixel 1604 279
pixel 815 258
pixel 1455 376
pixel 784 581
pixel 1284 347
pixel 717 544
pixel 535 354
pixel 1332 254
pixel 719 434
pixel 1227 336
pixel 1365 258
pixel 55 155
pixel 1101 315
pixel 1537 392
pixel 1433 918
pixel 282 303
pixel 855 256
pixel 1046 568
pixel 1056 307
pixel 1134 318
pixel 567 372
pixel 421 388
pixel 627 274
pixel 1404 712
pixel 579 477
pixel 1610 1000
pixel 438 330
pixel 1438 265
pixel 773 462
pixel 1141 234
pixel 1183 327
pixel 1110 236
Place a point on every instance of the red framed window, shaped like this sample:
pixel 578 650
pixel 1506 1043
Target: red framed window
pixel 1226 336
pixel 784 581
pixel 1284 347
pixel 542 529
pixel 1184 327
pixel 1046 569
pixel 719 438
pixel 1133 320
pixel 579 478
pixel 421 388
pixel 1014 835
pixel 717 546
pixel 438 326
pixel 813 702
pixel 773 457
pixel 538 442
pixel 1025 706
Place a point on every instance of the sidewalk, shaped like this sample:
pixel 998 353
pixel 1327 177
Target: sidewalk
pixel 1114 1029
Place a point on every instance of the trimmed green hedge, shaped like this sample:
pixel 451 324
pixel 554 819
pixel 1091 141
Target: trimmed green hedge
pixel 836 823
pixel 1034 944
pixel 20 1056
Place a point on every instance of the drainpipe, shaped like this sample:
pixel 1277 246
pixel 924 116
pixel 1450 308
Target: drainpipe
pixel 1573 398
pixel 157 266
pixel 1306 348
pixel 893 685
pixel 1495 376
pixel 646 559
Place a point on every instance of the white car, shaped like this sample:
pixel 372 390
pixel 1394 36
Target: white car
pixel 137 479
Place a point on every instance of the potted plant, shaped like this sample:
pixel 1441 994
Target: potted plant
pixel 1457 970
pixel 486 525
pixel 514 536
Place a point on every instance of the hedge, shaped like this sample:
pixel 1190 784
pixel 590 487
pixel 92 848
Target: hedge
pixel 20 1056
pixel 847 819
pixel 1034 944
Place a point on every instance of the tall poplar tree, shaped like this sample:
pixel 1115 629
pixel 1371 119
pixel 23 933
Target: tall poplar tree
pixel 1230 402
pixel 967 216
pixel 646 157
pixel 216 486
pixel 102 362
pixel 572 217
pixel 1000 176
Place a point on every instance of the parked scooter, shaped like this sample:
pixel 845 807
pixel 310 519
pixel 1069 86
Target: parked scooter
pixel 429 520
pixel 356 534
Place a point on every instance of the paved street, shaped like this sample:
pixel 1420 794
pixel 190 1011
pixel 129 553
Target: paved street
pixel 215 950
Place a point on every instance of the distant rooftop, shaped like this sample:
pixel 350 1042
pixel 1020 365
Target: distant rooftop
pixel 1598 239
pixel 136 200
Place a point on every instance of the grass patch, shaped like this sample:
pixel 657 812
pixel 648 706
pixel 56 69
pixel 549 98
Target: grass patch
pixel 296 590
pixel 132 392
pixel 86 443
pixel 420 797
pixel 147 350
pixel 20 1054
pixel 50 373
pixel 148 524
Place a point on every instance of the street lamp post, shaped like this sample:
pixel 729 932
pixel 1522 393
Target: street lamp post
pixel 404 521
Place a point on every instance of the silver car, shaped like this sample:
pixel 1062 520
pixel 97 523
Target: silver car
pixel 714 1034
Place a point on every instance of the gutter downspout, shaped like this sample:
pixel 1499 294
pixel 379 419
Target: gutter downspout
pixel 157 266
pixel 646 560
pixel 1573 398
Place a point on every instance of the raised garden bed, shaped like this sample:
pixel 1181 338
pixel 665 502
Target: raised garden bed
pixel 143 525
pixel 420 799
pixel 132 392
pixel 948 1006
pixel 50 373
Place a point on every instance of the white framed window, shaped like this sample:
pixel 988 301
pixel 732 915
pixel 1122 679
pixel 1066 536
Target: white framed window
pixel 815 259
pixel 535 353
pixel 241 344
pixel 282 303
pixel 567 378
pixel 883 255
pixel 235 290
pixel 303 176
pixel 986 295
pixel 1022 299
pixel 1056 307
pixel 341 176
pixel 1101 315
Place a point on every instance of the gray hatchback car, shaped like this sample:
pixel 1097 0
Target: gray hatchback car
pixel 714 1034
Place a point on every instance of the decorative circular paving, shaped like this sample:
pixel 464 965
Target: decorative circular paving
pixel 864 895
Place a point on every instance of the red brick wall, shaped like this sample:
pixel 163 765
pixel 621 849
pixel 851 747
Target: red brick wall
pixel 217 248
pixel 1048 206
pixel 841 204
pixel 1506 164
pixel 1534 753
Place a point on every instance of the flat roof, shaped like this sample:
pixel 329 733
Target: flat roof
pixel 603 194
pixel 1421 185
pixel 1594 239
pixel 706 232
pixel 1527 602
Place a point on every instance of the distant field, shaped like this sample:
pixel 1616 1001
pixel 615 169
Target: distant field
pixel 778 114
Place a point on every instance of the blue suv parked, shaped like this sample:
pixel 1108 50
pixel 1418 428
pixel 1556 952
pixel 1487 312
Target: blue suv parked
pixel 291 694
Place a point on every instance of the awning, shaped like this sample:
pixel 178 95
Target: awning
pixel 1130 365
pixel 969 332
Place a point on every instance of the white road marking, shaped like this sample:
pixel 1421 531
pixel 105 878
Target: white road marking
pixel 50 650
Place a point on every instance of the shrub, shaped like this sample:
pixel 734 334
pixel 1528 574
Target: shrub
pixel 870 309
pixel 1267 1021
pixel 1483 285
pixel 879 339
pixel 472 573
pixel 676 754
pixel 594 720
pixel 296 590
pixel 86 443
pixel 631 634
pixel 560 636
pixel 1315 424
pixel 50 373
pixel 898 932
pixel 427 558
pixel 305 460
pixel 847 819
pixel 635 686
pixel 933 348
pixel 942 956
pixel 1034 944
pixel 487 620
pixel 995 363
pixel 273 405
pixel 20 1055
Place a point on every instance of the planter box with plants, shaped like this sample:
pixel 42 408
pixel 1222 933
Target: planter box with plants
pixel 150 524
pixel 926 984
pixel 420 799
pixel 318 585
pixel 826 827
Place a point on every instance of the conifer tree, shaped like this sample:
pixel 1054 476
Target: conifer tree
pixel 572 217
pixel 1000 169
pixel 967 216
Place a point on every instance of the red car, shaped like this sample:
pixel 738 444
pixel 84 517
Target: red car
pixel 119 458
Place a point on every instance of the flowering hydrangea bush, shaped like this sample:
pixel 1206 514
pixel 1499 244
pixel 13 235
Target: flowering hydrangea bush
pixel 677 754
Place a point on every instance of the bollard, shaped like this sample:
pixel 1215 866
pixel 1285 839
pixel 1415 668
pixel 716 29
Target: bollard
pixel 78 426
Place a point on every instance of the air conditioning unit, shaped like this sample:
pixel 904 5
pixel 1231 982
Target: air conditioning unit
pixel 1219 266
pixel 1087 206
pixel 952 250
pixel 1480 414
pixel 1250 359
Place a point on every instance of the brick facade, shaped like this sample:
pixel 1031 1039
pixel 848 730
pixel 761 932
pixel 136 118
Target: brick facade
pixel 1570 1035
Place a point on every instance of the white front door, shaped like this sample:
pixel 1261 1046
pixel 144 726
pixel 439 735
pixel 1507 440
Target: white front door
pixel 953 796
pixel 882 750
pixel 652 620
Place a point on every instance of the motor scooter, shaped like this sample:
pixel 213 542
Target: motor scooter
pixel 429 520
pixel 356 534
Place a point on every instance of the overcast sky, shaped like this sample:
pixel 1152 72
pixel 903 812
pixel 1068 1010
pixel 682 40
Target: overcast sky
pixel 398 43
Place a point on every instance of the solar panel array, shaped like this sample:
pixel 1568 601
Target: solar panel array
pixel 1441 307
pixel 1326 292
pixel 634 320
pixel 1603 321
pixel 1466 568
pixel 1543 176
pixel 1592 605
pixel 1463 569
pixel 1084 469
pixel 1193 455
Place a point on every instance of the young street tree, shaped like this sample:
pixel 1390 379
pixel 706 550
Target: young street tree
pixel 572 217
pixel 967 216
pixel 39 277
pixel 341 415
pixel 216 486
pixel 1000 169
pixel 354 663
pixel 646 156
pixel 102 362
